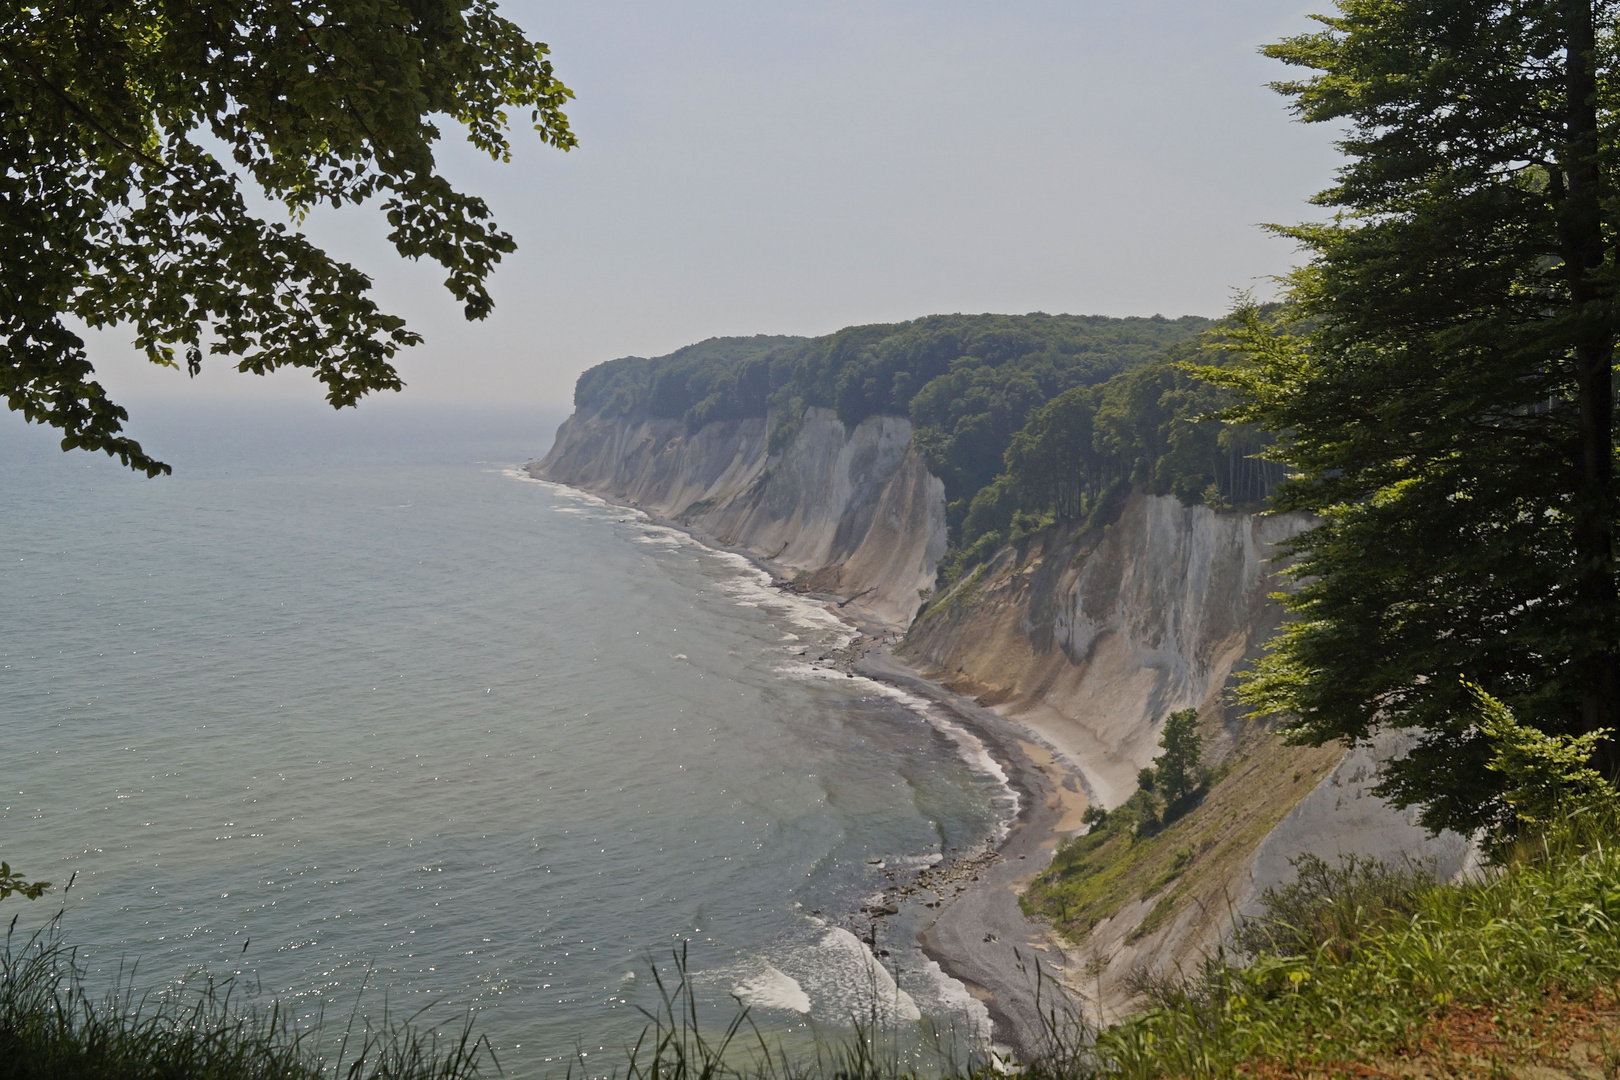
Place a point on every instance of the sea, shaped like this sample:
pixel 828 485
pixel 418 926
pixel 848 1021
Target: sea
pixel 353 715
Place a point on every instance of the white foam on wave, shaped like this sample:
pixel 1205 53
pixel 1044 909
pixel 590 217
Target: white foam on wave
pixel 757 589
pixel 772 989
pixel 742 562
pixel 810 615
pixel 847 982
pixel 515 473
pixel 563 490
pixel 969 746
pixel 954 997
pixel 809 672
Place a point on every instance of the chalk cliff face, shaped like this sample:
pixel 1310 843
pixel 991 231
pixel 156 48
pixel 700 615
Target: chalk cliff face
pixel 1094 639
pixel 856 510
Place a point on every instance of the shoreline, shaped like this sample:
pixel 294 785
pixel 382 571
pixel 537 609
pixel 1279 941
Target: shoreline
pixel 978 933
pixel 981 937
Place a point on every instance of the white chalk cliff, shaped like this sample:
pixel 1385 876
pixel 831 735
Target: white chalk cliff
pixel 1093 640
pixel 856 511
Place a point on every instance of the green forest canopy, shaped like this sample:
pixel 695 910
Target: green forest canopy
pixel 1027 419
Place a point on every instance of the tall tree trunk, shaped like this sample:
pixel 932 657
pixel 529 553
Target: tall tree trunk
pixel 1581 229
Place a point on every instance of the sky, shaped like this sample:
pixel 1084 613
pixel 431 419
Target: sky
pixel 796 167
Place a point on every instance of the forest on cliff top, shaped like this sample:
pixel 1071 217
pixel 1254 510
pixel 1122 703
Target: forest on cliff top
pixel 1028 419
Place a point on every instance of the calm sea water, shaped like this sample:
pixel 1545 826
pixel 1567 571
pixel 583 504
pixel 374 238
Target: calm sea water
pixel 349 699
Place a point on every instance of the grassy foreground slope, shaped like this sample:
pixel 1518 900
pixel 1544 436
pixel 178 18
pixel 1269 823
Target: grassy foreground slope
pixel 1375 972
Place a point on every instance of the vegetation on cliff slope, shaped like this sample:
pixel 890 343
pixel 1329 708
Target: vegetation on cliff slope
pixel 1365 970
pixel 1162 850
pixel 1371 971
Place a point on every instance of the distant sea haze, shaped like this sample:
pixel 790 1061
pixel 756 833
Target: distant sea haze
pixel 357 696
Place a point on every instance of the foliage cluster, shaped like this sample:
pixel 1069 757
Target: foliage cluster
pixel 13 882
pixel 718 379
pixel 127 130
pixel 1156 426
pixel 1169 787
pixel 1177 776
pixel 1331 908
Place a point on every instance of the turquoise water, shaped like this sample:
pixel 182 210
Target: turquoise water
pixel 352 700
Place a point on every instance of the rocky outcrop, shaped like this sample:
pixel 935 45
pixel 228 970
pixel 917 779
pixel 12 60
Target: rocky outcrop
pixel 855 512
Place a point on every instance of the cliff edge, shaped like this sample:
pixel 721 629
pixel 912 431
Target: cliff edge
pixel 1093 637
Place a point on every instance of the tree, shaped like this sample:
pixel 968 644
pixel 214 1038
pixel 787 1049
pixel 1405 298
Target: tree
pixel 1053 459
pixel 1443 391
pixel 1178 775
pixel 115 209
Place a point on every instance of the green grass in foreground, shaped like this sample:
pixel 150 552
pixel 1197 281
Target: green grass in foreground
pixel 1373 971
pixel 1361 970
pixel 52 1027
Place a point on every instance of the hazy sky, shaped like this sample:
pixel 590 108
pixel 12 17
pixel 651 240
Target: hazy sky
pixel 757 167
